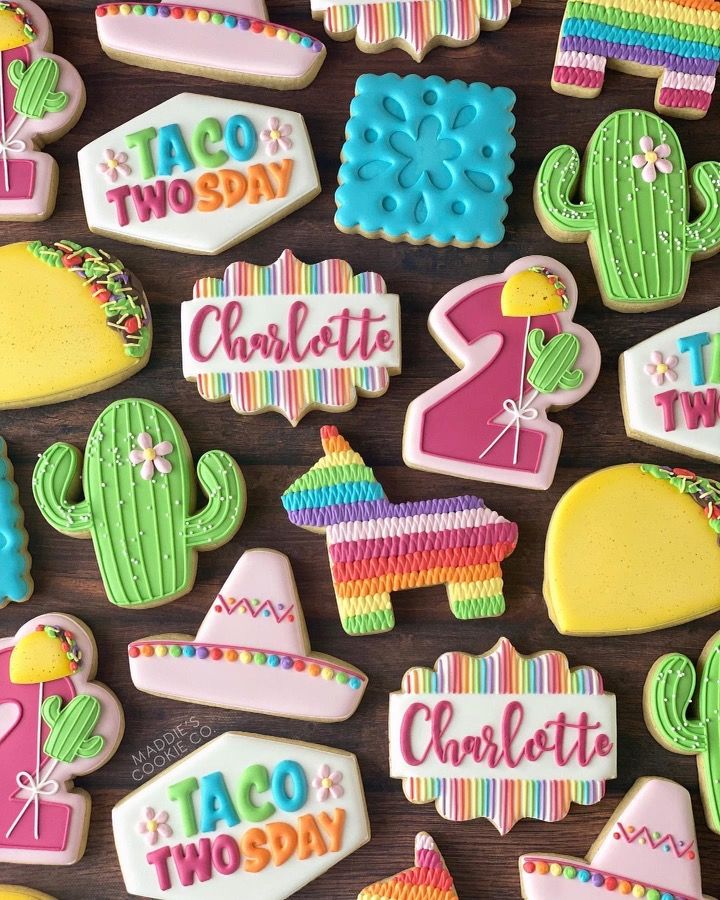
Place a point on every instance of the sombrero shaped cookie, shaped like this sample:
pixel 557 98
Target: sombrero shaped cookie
pixel 648 849
pixel 429 879
pixel 233 42
pixel 251 652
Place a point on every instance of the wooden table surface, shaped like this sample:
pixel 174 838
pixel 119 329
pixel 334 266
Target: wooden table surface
pixel 272 453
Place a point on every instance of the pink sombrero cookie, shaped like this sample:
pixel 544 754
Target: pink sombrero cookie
pixel 232 43
pixel 251 652
pixel 648 849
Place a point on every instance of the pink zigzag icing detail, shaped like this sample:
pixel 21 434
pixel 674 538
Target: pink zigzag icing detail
pixel 665 839
pixel 255 610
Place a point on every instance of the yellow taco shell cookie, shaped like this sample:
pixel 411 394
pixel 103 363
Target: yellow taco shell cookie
pixel 46 654
pixel 633 548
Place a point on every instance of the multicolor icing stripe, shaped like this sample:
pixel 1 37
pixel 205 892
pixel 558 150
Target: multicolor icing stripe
pixel 572 870
pixel 680 36
pixel 502 671
pixel 416 23
pixel 377 547
pixel 428 880
pixel 291 392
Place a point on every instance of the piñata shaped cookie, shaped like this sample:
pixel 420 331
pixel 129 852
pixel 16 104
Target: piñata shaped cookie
pixel 428 879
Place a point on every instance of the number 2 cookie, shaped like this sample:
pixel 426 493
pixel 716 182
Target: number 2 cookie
pixel 631 201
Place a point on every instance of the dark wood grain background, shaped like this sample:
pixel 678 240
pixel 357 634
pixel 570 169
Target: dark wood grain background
pixel 272 453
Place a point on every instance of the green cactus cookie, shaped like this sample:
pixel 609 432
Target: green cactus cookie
pixel 633 209
pixel 553 366
pixel 36 95
pixel 669 691
pixel 139 501
pixel 71 728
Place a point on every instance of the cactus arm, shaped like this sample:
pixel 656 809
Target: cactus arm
pixel 91 747
pixel 572 379
pixel 223 484
pixel 16 72
pixel 56 101
pixel 669 691
pixel 703 235
pixel 56 482
pixel 51 710
pixel 709 708
pixel 556 183
pixel 535 342
pixel 71 729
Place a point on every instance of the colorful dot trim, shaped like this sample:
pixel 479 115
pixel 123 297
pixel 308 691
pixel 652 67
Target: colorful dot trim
pixel 208 17
pixel 248 656
pixel 598 879
pixel 23 18
pixel 68 644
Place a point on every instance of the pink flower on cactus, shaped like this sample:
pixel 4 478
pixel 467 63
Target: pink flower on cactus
pixel 113 164
pixel 275 136
pixel 652 159
pixel 154 825
pixel 152 458
pixel 327 784
pixel 659 368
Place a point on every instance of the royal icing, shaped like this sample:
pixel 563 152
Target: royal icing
pixel 17 892
pixel 647 849
pixel 252 652
pixel 204 173
pixel 291 336
pixel 75 321
pixel 429 879
pixel 668 387
pixel 376 546
pixel 633 209
pixel 669 695
pixel 41 98
pixel 603 542
pixel 137 501
pixel 58 723
pixel 415 26
pixel 233 43
pixel 490 421
pixel 245 815
pixel 16 584
pixel 503 736
pixel 678 43
pixel 427 161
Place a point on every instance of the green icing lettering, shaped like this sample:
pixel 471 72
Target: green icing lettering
pixel 715 361
pixel 36 95
pixel 182 793
pixel 71 728
pixel 145 531
pixel 253 778
pixel 140 141
pixel 553 366
pixel 208 130
pixel 641 240
pixel 669 692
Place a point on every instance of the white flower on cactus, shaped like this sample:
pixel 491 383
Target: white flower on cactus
pixel 652 159
pixel 152 457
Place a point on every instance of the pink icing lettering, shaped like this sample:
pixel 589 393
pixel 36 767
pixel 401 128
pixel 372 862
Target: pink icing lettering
pixel 149 200
pixel 666 401
pixel 225 854
pixel 699 406
pixel 159 858
pixel 180 196
pixel 193 861
pixel 118 196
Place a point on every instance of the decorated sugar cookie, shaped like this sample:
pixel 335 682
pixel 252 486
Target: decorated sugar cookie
pixel 427 161
pixel 16 584
pixel 669 695
pixel 676 42
pixel 17 892
pixel 631 202
pixel 668 387
pixel 197 174
pixel 377 547
pixel 604 543
pixel 415 26
pixel 429 878
pixel 291 337
pixel 243 816
pixel 60 724
pixel 136 499
pixel 490 420
pixel 647 849
pixel 75 320
pixel 232 43
pixel 503 736
pixel 251 652
pixel 41 97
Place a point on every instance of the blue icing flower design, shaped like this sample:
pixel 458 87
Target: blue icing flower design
pixel 15 581
pixel 427 161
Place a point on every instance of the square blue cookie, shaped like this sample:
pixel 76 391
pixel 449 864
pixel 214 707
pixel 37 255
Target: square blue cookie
pixel 427 161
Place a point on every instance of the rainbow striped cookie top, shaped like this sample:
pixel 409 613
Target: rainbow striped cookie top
pixel 678 38
pixel 415 26
pixel 429 878
pixel 291 337
pixel 503 736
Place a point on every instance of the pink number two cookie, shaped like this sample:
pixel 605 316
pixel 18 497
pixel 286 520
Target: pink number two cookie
pixel 520 355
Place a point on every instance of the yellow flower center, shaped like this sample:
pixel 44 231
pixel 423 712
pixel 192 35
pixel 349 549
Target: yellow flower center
pixel 661 368
pixel 651 156
pixel 149 454
pixel 152 825
pixel 274 134
pixel 327 782
pixel 112 164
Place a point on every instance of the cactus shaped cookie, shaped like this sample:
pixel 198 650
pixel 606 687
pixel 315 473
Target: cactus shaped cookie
pixel 670 689
pixel 632 206
pixel 72 728
pixel 139 501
